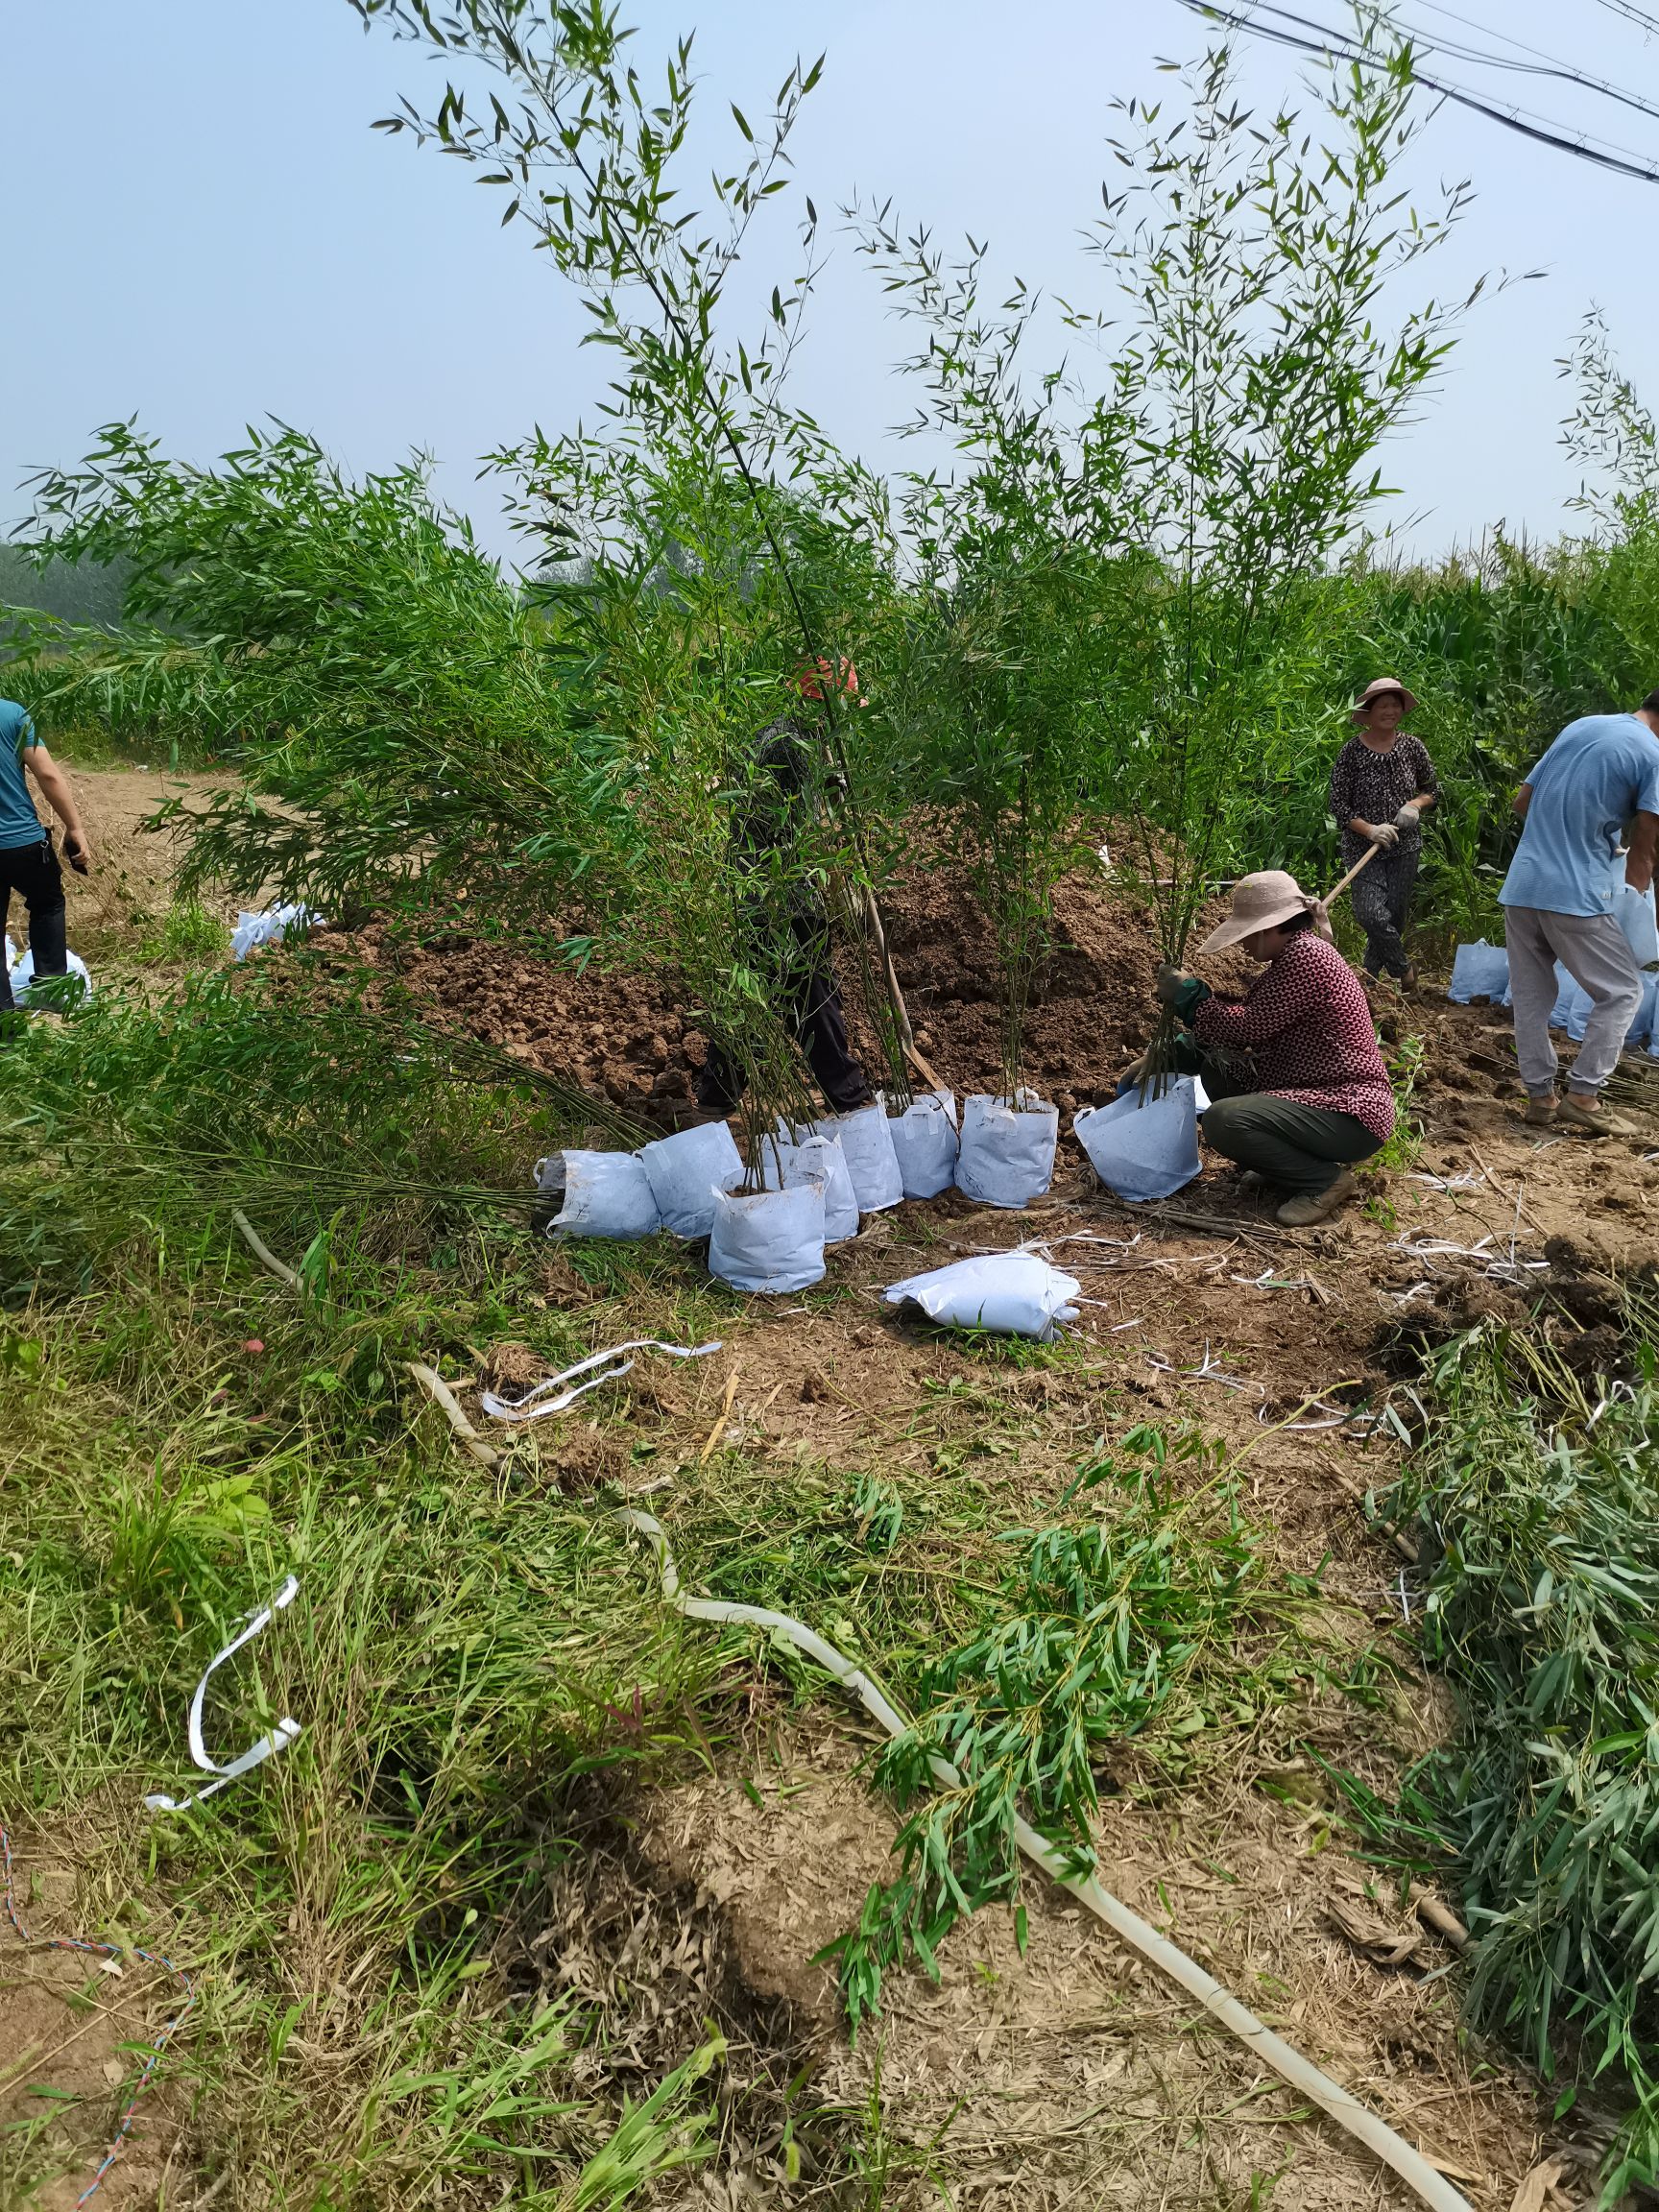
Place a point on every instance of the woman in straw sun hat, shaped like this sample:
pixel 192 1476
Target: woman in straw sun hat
pixel 1380 782
pixel 1313 1095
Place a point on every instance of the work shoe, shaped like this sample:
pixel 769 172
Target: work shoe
pixel 1596 1120
pixel 1540 1112
pixel 1314 1206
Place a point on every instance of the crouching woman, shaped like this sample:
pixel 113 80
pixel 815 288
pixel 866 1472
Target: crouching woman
pixel 1298 1087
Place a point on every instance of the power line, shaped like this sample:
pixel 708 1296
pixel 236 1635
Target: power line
pixel 1542 65
pixel 1622 160
pixel 1631 15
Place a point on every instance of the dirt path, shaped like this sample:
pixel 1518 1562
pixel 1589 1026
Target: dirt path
pixel 117 909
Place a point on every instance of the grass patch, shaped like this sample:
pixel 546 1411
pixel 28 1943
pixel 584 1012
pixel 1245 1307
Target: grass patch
pixel 1537 1499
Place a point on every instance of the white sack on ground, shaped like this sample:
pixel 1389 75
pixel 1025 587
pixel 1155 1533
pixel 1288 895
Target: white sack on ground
pixel 604 1194
pixel 867 1142
pixel 1007 1152
pixel 1479 971
pixel 1633 911
pixel 276 922
pixel 1143 1151
pixel 21 971
pixel 686 1171
pixel 1016 1294
pixel 771 1243
pixel 925 1144
pixel 814 1158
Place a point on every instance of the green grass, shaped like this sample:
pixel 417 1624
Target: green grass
pixel 188 934
pixel 1536 1496
pixel 481 1661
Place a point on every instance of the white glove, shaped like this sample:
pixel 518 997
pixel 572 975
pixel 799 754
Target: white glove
pixel 1406 818
pixel 1384 833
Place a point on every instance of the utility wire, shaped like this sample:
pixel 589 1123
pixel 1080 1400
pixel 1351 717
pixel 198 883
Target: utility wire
pixel 1541 65
pixel 1622 160
pixel 1637 16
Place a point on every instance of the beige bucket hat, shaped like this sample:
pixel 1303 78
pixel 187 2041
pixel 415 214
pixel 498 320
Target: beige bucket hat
pixel 1262 903
pixel 1378 685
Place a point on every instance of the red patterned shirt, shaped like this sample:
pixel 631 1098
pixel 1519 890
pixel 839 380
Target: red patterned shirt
pixel 1308 1027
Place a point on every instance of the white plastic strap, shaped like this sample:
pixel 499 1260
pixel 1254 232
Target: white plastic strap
pixel 536 1403
pixel 278 1740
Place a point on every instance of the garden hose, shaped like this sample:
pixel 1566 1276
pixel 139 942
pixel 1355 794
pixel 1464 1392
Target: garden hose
pixel 1331 2099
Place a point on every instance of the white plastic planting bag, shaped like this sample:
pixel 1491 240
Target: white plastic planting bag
pixel 20 973
pixel 1633 911
pixel 925 1144
pixel 1007 1157
pixel 686 1171
pixel 1581 1006
pixel 814 1159
pixel 867 1142
pixel 1143 1151
pixel 1641 1028
pixel 772 1241
pixel 1478 971
pixel 1014 1292
pixel 275 922
pixel 605 1195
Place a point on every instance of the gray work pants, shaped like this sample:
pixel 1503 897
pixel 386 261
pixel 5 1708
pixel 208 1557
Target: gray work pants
pixel 1592 949
pixel 1300 1148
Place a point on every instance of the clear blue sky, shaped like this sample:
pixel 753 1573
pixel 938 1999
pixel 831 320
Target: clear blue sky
pixel 205 229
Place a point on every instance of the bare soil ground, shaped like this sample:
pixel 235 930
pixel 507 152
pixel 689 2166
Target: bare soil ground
pixel 1068 2078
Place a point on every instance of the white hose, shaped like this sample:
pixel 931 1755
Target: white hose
pixel 1349 2114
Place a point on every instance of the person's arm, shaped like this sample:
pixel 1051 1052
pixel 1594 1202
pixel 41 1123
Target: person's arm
pixel 1279 999
pixel 1644 850
pixel 1427 787
pixel 1522 799
pixel 55 790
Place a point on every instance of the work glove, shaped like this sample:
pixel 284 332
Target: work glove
pixel 1406 818
pixel 1184 994
pixel 1385 834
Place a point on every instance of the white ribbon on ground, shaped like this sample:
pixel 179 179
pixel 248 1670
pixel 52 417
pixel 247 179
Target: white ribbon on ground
pixel 1212 1371
pixel 536 1403
pixel 278 1740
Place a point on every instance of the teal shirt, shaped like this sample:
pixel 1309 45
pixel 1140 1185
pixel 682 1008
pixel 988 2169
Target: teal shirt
pixel 19 824
pixel 1599 771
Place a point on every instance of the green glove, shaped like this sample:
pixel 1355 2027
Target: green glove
pixel 1188 998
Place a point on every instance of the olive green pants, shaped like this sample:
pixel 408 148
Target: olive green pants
pixel 1303 1149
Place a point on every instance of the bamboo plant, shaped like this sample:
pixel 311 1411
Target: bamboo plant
pixel 591 164
pixel 1197 494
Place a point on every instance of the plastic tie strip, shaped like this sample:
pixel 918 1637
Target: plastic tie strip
pixel 267 1748
pixel 113 1951
pixel 1208 1371
pixel 534 1403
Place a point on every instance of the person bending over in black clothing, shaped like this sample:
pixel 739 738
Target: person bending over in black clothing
pixel 784 798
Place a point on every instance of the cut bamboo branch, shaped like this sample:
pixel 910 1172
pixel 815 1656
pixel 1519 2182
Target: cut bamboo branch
pixel 263 1253
pixel 440 1393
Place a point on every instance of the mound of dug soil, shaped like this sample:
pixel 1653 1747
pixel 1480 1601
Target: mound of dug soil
pixel 637 1041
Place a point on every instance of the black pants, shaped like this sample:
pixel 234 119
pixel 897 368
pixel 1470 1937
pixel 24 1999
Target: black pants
pixel 818 1023
pixel 1381 895
pixel 32 870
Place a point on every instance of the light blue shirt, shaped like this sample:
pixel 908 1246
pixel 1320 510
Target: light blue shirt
pixel 19 824
pixel 1599 771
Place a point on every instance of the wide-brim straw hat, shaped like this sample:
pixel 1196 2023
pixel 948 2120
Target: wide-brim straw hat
pixel 1376 689
pixel 1261 902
